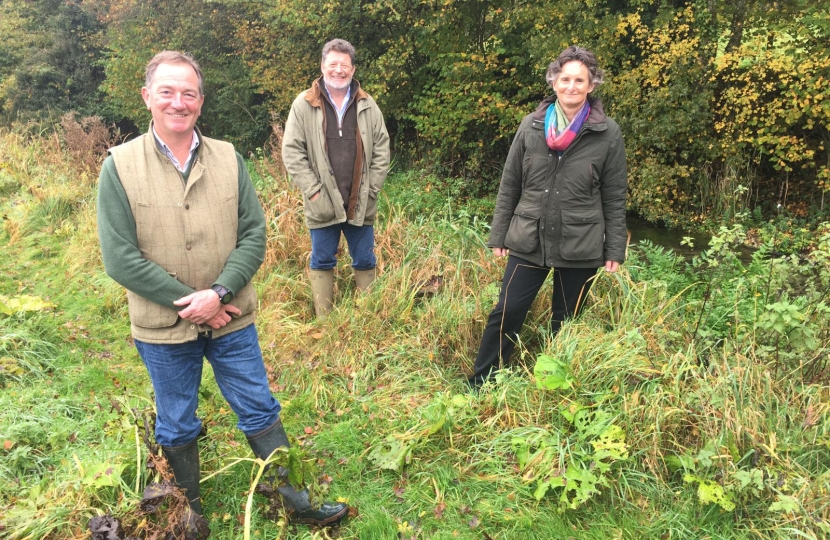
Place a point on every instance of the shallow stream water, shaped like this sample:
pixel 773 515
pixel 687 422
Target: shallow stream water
pixel 668 238
pixel 672 238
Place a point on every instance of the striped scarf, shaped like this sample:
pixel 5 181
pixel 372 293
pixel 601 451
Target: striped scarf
pixel 558 139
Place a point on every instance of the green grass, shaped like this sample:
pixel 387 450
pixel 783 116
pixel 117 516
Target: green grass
pixel 731 405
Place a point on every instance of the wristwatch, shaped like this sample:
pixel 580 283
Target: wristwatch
pixel 225 296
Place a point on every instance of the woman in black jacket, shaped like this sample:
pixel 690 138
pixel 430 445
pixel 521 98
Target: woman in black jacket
pixel 560 207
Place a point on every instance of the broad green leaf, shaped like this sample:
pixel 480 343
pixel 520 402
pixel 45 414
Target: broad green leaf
pixel 753 479
pixel 582 483
pixel 704 456
pixel 459 400
pixel 10 365
pixel 552 374
pixel 611 443
pixel 522 450
pixel 102 475
pixel 392 453
pixel 709 491
pixel 683 461
pixel 785 504
pixel 542 487
pixel 570 413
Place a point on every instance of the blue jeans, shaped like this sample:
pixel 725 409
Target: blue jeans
pixel 176 372
pixel 361 240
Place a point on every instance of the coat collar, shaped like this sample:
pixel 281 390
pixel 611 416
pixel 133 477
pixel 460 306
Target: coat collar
pixel 314 95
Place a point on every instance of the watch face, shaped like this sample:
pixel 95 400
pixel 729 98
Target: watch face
pixel 225 296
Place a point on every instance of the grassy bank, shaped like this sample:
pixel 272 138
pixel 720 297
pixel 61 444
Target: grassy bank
pixel 690 401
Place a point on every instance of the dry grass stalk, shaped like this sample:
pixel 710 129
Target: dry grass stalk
pixel 87 141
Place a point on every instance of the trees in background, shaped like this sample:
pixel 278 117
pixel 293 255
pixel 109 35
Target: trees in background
pixel 49 59
pixel 235 109
pixel 723 104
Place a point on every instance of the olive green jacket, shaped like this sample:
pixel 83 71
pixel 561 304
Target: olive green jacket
pixel 306 159
pixel 565 210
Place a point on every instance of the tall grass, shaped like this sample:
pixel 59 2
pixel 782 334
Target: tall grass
pixel 689 408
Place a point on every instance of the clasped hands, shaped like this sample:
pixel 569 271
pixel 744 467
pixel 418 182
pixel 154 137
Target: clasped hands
pixel 204 307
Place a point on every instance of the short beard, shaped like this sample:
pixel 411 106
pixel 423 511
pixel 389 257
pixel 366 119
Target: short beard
pixel 330 84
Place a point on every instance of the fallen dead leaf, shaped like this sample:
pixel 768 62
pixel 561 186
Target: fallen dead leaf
pixel 810 417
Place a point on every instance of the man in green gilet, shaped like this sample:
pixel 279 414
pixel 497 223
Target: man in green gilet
pixel 336 149
pixel 181 228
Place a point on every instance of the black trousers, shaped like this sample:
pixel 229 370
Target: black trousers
pixel 519 287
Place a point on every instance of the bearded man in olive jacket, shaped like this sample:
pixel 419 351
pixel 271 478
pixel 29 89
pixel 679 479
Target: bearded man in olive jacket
pixel 181 228
pixel 336 150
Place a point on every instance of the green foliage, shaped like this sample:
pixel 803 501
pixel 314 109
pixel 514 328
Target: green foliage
pixel 234 109
pixel 552 373
pixel 102 475
pixel 787 320
pixel 396 450
pixel 420 193
pixel 577 463
pixel 709 491
pixel 662 100
pixel 50 60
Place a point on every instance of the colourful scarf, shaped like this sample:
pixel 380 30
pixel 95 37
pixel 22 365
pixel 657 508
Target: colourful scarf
pixel 558 139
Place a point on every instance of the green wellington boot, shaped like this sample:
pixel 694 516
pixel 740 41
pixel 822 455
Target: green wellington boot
pixel 300 509
pixel 322 288
pixel 364 278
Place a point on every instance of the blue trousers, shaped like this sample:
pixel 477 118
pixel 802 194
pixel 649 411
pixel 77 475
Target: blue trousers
pixel 176 373
pixel 361 241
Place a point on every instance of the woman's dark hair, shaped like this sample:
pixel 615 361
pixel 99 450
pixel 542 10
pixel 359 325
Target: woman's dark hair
pixel 580 54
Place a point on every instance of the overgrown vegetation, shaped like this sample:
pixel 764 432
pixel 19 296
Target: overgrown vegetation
pixel 690 400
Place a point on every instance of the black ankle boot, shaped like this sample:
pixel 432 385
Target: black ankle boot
pixel 327 514
pixel 263 444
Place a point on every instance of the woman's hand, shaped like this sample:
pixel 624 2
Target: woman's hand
pixel 501 252
pixel 612 266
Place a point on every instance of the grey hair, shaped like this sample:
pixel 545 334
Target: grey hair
pixel 338 45
pixel 580 54
pixel 172 57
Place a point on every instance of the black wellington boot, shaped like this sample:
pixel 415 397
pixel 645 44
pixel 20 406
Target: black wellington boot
pixel 184 460
pixel 263 444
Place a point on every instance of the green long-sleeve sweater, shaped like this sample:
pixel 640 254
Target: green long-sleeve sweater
pixel 126 265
